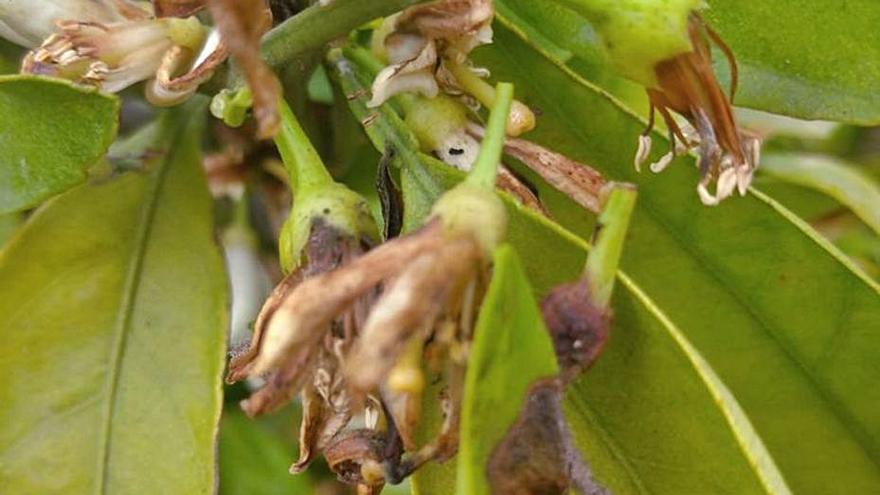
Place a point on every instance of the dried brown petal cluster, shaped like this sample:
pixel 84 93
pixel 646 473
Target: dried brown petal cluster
pixel 353 332
pixel 132 45
pixel 688 87
pixel 416 40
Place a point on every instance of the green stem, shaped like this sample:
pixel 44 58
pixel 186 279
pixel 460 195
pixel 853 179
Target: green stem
pixel 472 83
pixel 601 269
pixel 486 167
pixel 304 167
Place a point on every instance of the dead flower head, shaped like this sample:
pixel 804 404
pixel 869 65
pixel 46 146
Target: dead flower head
pixel 686 85
pixel 127 45
pixel 415 41
pixel 316 336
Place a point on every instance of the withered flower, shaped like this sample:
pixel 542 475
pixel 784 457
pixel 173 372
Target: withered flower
pixel 128 45
pixel 413 41
pixel 664 46
pixel 329 227
pixel 686 85
pixel 423 291
pixel 427 47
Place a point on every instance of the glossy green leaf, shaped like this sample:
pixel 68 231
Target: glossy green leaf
pixel 650 362
pixel 51 132
pixel 254 461
pixel 113 317
pixel 9 55
pixel 802 67
pixel 843 182
pixel 813 60
pixel 509 330
pixel 757 291
pixel 9 223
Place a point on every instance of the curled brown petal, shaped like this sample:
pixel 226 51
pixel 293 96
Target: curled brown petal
pixel 314 303
pixel 323 418
pixel 357 456
pixel 510 183
pixel 578 181
pixel 411 303
pixel 242 24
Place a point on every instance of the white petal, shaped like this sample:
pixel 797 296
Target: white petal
pixel 727 182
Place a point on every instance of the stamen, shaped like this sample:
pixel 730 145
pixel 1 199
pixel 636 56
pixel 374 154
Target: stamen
pixel 705 196
pixel 643 151
pixel 664 162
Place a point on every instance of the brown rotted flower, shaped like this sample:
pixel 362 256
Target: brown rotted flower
pixel 687 86
pixel 314 335
pixel 312 364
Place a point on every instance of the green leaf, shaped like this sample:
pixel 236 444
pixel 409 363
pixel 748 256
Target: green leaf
pixel 50 134
pixel 9 223
pixel 802 67
pixel 113 310
pixel 757 291
pixel 509 330
pixel 666 383
pixel 842 181
pixel 813 60
pixel 253 461
pixel 9 57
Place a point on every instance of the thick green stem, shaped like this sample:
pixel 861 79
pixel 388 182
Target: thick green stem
pixel 601 269
pixel 304 167
pixel 486 167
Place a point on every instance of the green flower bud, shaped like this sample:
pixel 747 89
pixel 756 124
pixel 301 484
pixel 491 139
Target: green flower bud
pixel 334 205
pixel 470 209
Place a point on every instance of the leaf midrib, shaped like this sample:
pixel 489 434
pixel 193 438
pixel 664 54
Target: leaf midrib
pixel 124 317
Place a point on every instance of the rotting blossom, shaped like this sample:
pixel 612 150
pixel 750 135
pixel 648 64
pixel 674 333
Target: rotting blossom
pixel 124 44
pixel 313 336
pixel 687 86
pixel 362 377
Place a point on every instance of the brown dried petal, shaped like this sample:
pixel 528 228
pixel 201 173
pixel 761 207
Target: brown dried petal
pixel 579 329
pixel 242 24
pixel 323 418
pixel 410 304
pixel 447 19
pixel 578 181
pixel 313 304
pixel 354 452
pixel 507 181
